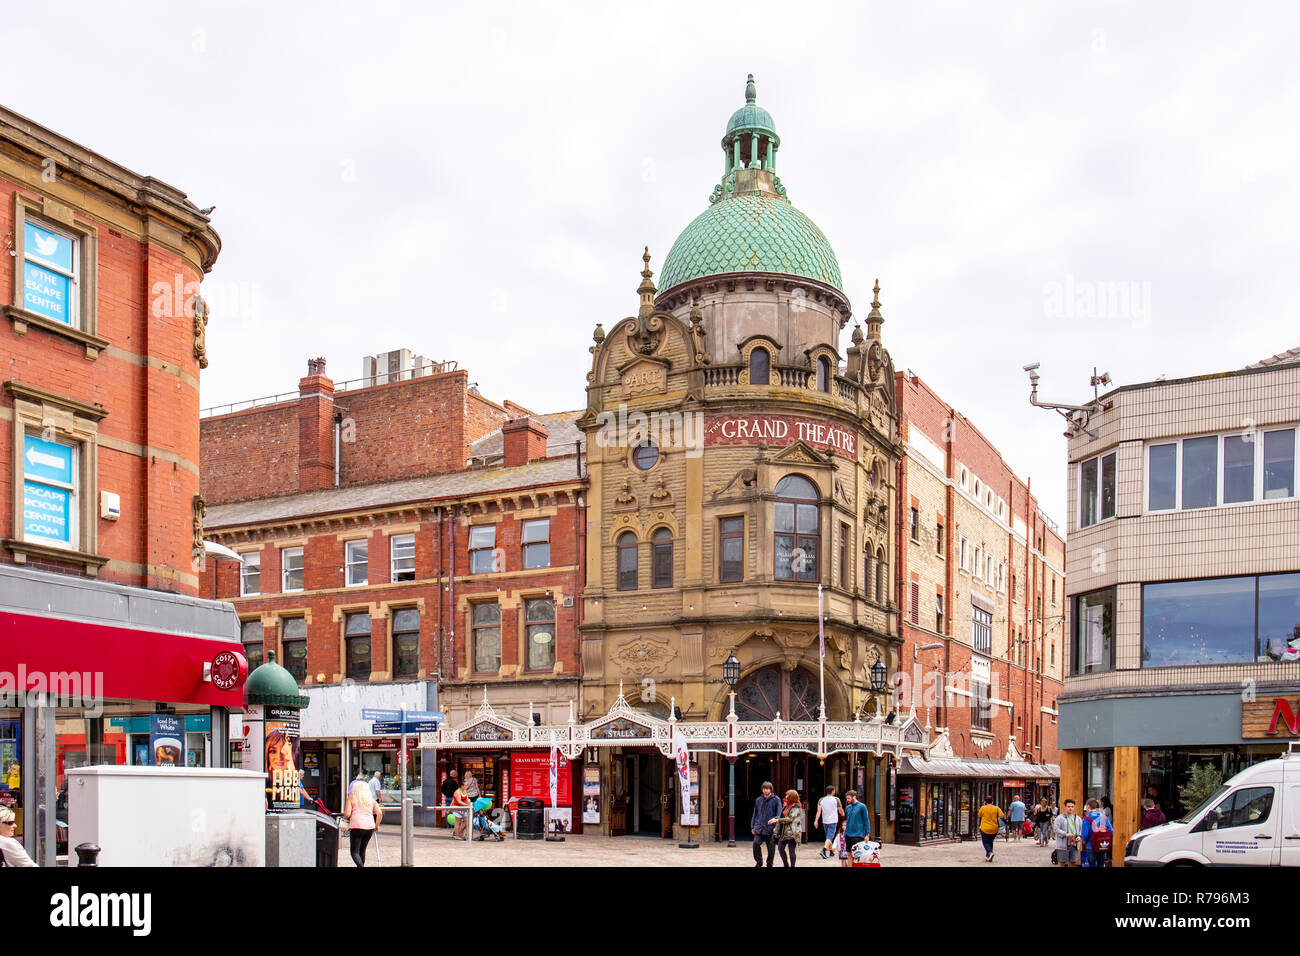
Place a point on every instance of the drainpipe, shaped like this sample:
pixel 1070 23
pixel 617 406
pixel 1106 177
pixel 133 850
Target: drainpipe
pixel 451 601
pixel 338 426
pixel 437 517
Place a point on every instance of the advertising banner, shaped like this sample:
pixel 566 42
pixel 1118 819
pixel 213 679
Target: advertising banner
pixel 284 759
pixel 530 776
pixel 166 740
pixel 591 794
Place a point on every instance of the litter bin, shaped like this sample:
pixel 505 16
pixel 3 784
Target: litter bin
pixel 327 839
pixel 529 819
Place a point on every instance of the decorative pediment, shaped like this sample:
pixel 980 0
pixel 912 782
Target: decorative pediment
pixel 942 746
pixel 1012 752
pixel 801 453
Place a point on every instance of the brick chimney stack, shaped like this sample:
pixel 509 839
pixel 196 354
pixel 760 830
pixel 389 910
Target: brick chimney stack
pixel 315 428
pixel 524 440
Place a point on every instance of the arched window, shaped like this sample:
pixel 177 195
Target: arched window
pixel 795 524
pixel 627 561
pixel 773 690
pixel 868 579
pixel 760 363
pixel 824 374
pixel 661 564
pixel 880 575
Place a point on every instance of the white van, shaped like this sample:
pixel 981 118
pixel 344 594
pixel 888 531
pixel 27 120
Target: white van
pixel 1252 820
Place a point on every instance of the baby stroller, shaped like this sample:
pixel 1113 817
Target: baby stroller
pixel 484 824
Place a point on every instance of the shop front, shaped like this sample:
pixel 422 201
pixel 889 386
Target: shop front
pixel 118 676
pixel 939 798
pixel 338 741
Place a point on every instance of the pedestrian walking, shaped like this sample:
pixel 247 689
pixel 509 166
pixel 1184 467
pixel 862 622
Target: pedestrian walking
pixel 1067 829
pixel 1152 815
pixel 789 827
pixel 829 814
pixel 12 851
pixel 471 786
pixel 990 815
pixel 857 824
pixel 762 823
pixel 376 784
pixel 1016 816
pixel 1096 835
pixel 1043 820
pixel 363 813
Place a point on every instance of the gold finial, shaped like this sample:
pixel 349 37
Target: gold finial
pixel 875 301
pixel 646 273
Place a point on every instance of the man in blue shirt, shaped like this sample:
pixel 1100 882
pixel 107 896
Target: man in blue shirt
pixel 1016 817
pixel 857 821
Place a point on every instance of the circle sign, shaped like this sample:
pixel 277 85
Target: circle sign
pixel 225 671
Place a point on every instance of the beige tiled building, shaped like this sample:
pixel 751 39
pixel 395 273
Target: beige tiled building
pixel 1183 563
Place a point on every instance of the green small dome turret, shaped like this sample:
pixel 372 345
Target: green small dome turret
pixel 272 684
pixel 750 225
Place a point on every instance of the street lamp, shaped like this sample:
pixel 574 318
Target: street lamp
pixel 730 677
pixel 879 676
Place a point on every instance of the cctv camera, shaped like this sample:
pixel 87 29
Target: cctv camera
pixel 1032 366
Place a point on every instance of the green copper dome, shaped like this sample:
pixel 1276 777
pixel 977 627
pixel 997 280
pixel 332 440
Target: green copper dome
pixel 750 225
pixel 272 684
pixel 752 232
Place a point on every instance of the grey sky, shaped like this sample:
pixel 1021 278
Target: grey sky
pixel 476 181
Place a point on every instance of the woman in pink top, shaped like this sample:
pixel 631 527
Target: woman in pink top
pixel 363 814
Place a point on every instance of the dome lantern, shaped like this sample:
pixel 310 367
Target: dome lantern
pixel 750 225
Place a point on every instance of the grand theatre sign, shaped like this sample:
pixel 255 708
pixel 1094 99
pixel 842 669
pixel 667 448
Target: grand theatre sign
pixel 778 430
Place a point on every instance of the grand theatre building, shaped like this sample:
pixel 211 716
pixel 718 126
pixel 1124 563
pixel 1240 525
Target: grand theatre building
pixel 742 464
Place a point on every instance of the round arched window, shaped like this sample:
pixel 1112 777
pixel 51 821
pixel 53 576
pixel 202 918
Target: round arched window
pixel 760 364
pixel 823 374
pixel 645 455
pixel 795 529
pixel 627 561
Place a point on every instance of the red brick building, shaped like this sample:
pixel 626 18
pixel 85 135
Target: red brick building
pixel 102 336
pixel 980 585
pixel 404 540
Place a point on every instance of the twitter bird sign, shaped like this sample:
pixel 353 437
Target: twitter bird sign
pixel 47 273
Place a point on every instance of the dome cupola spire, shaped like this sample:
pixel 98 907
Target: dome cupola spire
pixel 749 150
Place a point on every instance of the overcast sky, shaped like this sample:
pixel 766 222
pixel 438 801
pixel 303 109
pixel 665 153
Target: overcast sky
pixel 476 181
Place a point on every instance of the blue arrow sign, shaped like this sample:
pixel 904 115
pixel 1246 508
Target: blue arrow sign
pixel 47 460
pixel 387 727
pixel 370 713
pixel 422 726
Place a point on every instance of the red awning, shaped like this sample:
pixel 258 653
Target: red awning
pixel 135 663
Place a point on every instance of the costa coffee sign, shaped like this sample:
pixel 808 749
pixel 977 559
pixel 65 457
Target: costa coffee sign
pixel 778 430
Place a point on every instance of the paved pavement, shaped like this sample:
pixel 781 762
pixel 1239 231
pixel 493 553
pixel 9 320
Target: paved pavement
pixel 436 848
